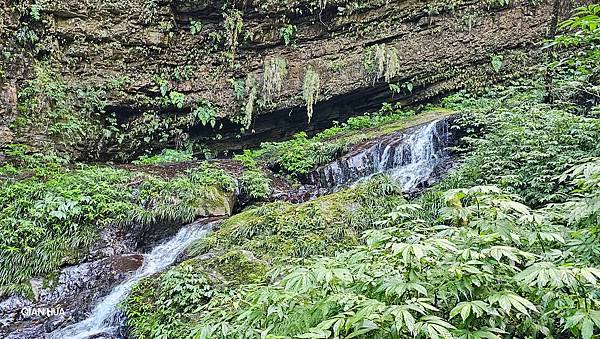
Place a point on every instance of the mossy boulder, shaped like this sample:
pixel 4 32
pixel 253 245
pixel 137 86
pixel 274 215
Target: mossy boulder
pixel 321 226
pixel 239 267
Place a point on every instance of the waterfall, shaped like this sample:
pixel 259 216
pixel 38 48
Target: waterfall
pixel 105 316
pixel 410 157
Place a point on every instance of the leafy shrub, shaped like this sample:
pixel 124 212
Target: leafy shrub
pixel 527 146
pixel 45 223
pixel 183 198
pixel 180 292
pixel 299 155
pixel 52 216
pixel 206 113
pixel 253 181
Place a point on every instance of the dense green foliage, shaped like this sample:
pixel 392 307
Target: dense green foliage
pixel 527 143
pixel 50 213
pixel 470 263
pixel 44 221
pixel 167 156
pixel 253 181
pixel 506 246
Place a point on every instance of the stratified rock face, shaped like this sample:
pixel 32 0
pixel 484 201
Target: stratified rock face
pixel 154 72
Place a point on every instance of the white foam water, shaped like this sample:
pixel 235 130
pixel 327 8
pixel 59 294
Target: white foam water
pixel 409 158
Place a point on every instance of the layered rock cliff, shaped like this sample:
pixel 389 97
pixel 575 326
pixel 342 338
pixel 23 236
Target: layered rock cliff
pixel 108 79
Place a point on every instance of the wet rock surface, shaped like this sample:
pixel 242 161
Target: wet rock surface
pixel 410 156
pixel 69 298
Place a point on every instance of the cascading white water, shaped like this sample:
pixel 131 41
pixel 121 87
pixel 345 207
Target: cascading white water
pixel 425 154
pixel 103 317
pixel 409 157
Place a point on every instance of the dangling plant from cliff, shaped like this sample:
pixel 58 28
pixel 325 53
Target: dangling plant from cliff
pixel 310 90
pixel 382 61
pixel 275 71
pixel 234 23
pixel 392 64
pixel 379 58
pixel 252 92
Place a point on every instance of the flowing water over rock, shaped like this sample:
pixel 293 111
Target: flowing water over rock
pixel 411 157
pixel 105 318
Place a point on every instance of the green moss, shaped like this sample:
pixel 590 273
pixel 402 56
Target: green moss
pixel 239 267
pixel 280 230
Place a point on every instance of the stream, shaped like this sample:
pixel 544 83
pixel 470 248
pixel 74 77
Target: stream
pixel 105 317
pixel 412 157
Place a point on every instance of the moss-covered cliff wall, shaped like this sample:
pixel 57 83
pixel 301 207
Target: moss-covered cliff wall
pixel 110 78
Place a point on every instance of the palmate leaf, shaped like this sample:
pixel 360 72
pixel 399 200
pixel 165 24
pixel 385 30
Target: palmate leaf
pixel 403 318
pixel 434 327
pixel 300 280
pixel 335 325
pixel 590 274
pixel 498 252
pixel 403 314
pixel 315 333
pixel 584 322
pixel 482 333
pixel 411 253
pixel 513 205
pixel 545 274
pixel 477 308
pixel 396 286
pixel 507 300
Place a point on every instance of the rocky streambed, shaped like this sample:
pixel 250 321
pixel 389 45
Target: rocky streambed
pixel 82 303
